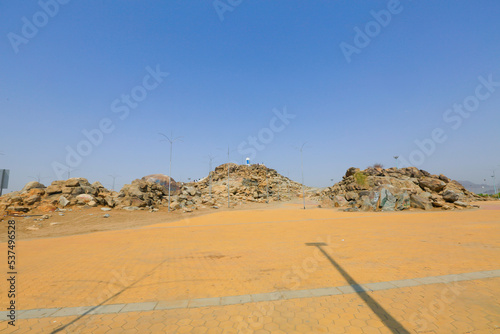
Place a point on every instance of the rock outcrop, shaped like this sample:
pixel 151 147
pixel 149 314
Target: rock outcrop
pixel 393 189
pixel 74 191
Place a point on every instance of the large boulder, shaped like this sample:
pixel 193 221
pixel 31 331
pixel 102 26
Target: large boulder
pixel 63 201
pixel 340 201
pixel 403 201
pixel 420 202
pixel 450 196
pixel 351 171
pixel 32 185
pixel 387 200
pixel 76 182
pixel 53 189
pixel 433 184
pixel 84 198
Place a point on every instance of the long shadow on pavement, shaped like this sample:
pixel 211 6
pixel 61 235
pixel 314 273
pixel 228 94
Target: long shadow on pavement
pixel 392 324
pixel 107 300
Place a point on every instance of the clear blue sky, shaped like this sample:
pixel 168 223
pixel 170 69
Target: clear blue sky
pixel 227 76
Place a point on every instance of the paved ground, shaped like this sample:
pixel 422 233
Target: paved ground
pixel 268 271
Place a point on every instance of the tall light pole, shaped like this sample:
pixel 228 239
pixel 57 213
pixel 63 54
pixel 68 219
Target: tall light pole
pixel 301 149
pixel 38 177
pixel 228 203
pixel 397 161
pixel 113 176
pixel 171 140
pixel 71 170
pixel 210 160
pixel 495 184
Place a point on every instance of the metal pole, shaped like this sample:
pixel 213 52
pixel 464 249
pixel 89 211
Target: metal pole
pixel 1 182
pixel 113 176
pixel 169 175
pixel 397 161
pixel 302 168
pixel 171 140
pixel 228 203
pixel 495 184
pixel 210 176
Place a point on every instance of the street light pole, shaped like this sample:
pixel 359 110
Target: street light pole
pixel 69 172
pixel 171 140
pixel 38 177
pixel 302 172
pixel 228 202
pixel 210 160
pixel 495 184
pixel 397 161
pixel 113 176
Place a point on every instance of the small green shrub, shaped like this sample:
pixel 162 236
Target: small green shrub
pixel 360 178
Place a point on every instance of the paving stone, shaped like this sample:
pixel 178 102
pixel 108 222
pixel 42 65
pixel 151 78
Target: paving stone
pixel 68 311
pixel 429 280
pixel 37 313
pixel 404 283
pixel 492 273
pixel 351 288
pixel 231 300
pixel 106 309
pixel 378 286
pixel 296 294
pixel 170 305
pixel 474 275
pixel 452 278
pixel 203 302
pixel 325 291
pixel 138 307
pixel 265 297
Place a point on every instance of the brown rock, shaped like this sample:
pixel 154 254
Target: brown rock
pixel 419 202
pixel 47 208
pixel 32 185
pixel 54 189
pixel 434 185
pixel 32 200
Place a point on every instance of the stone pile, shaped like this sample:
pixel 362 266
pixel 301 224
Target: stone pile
pixel 253 183
pixel 375 189
pixel 144 192
pixel 74 191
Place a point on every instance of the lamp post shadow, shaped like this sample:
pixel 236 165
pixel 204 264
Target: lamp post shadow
pixel 387 319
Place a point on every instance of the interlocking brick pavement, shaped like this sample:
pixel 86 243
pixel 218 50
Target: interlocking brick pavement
pixel 260 252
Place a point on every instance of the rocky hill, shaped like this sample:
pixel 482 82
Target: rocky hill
pixel 74 191
pixel 397 189
pixel 255 183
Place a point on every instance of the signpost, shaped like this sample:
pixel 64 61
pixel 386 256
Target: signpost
pixel 4 179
